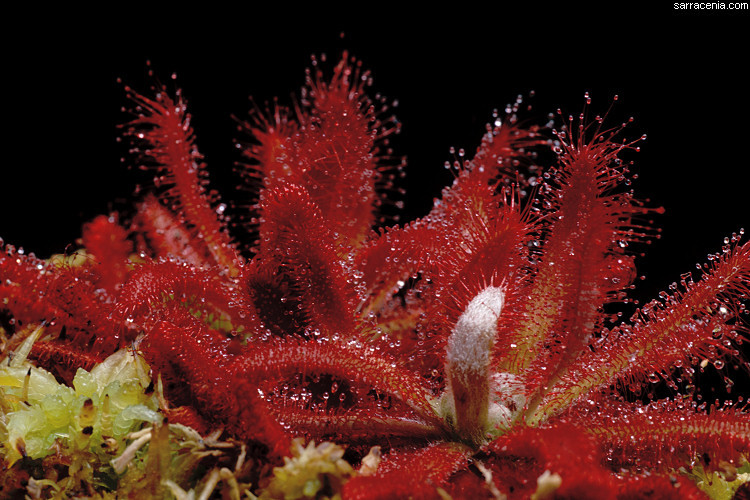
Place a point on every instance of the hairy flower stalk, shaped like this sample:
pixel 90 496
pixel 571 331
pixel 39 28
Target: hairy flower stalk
pixel 468 363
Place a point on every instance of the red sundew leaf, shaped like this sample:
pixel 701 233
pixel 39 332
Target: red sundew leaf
pixel 346 360
pixel 266 153
pixel 480 252
pixel 661 487
pixel 668 434
pixel 472 238
pixel 504 149
pixel 390 258
pixel 62 359
pixel 296 239
pixel 369 425
pixel 520 457
pixel 185 350
pixel 152 286
pixel 411 474
pixel 272 134
pixel 84 310
pixel 698 322
pixel 107 241
pixel 452 246
pixel 194 362
pixel 337 150
pixel 163 236
pixel 194 355
pixel 480 243
pixel 279 310
pixel 333 150
pixel 164 126
pixel 475 253
pixel 495 167
pixel 64 296
pixel 24 280
pixel 587 221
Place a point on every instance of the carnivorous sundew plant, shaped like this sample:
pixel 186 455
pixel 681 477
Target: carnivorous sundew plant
pixel 479 351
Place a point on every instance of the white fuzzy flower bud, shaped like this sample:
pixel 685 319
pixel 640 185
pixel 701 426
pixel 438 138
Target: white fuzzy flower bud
pixel 468 357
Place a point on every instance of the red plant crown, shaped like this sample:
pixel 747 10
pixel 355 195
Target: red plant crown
pixel 475 345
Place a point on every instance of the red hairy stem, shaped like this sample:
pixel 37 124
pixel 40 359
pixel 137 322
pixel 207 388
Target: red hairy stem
pixel 468 356
pixel 164 125
pixel 413 474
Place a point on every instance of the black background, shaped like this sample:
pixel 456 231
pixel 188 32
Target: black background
pixel 681 76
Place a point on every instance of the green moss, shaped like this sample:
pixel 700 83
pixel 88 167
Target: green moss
pixel 312 472
pixel 81 427
pixel 104 436
pixel 721 485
